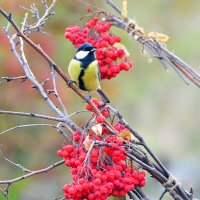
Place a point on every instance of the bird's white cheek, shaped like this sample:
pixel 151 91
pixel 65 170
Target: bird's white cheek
pixel 81 54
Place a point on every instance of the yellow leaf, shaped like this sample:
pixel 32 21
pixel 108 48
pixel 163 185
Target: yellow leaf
pixel 125 135
pixel 121 46
pixel 124 9
pixel 160 37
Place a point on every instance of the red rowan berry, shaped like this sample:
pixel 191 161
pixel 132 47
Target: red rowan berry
pixel 97 181
pixel 88 107
pixel 100 119
pixel 88 9
pixel 91 196
pixel 60 153
pixel 142 183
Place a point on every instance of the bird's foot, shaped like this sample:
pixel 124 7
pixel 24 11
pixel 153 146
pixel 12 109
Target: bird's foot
pixel 87 98
pixel 69 82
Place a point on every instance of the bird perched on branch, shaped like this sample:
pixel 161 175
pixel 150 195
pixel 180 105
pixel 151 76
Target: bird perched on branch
pixel 84 71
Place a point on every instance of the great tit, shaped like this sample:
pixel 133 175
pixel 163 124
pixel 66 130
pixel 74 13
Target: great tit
pixel 84 71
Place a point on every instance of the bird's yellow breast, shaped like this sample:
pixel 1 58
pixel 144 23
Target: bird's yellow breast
pixel 74 70
pixel 90 77
pixel 86 78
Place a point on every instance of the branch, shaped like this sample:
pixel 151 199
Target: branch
pixel 32 115
pixel 24 169
pixel 111 3
pixel 31 125
pixel 46 15
pixel 8 79
pixel 32 173
pixel 56 93
pixel 64 119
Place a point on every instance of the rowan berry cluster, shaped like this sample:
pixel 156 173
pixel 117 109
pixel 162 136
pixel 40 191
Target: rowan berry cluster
pixel 99 165
pixel 101 174
pixel 111 55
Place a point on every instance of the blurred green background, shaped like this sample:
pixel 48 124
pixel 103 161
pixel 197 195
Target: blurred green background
pixel 161 107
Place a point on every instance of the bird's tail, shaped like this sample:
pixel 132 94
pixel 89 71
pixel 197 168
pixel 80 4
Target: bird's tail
pixel 103 95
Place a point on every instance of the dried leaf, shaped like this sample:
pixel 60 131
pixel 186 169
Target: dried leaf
pixel 87 142
pixel 125 135
pixel 97 129
pixel 160 37
pixel 124 9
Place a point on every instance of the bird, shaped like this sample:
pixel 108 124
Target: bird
pixel 84 71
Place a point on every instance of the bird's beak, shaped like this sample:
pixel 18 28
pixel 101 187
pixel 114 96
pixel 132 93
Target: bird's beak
pixel 94 49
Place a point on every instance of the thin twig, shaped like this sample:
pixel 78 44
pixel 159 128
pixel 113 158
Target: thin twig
pixel 163 194
pixel 31 125
pixel 32 115
pixel 42 19
pixel 56 93
pixel 3 193
pixel 17 165
pixel 64 119
pixel 8 79
pixel 32 173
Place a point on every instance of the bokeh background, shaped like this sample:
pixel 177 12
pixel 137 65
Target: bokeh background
pixel 156 103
